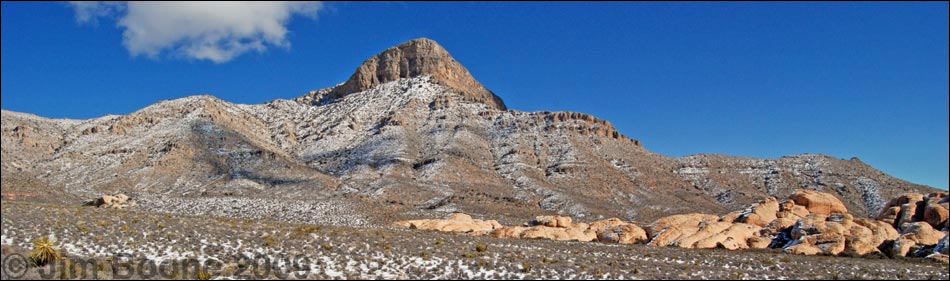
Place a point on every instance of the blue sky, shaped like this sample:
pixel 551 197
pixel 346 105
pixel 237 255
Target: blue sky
pixel 751 79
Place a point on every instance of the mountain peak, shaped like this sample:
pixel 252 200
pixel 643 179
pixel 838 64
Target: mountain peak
pixel 414 58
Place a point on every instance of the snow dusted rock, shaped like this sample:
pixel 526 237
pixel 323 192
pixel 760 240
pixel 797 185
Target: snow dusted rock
pixel 826 243
pixel 417 57
pixel 922 233
pixel 761 214
pixel 818 202
pixel 943 247
pixel 838 233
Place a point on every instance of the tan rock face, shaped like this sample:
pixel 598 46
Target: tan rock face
pixel 761 214
pixel 779 225
pixel 510 232
pixel 416 58
pixel 828 244
pixel 706 231
pixel 936 213
pixel 790 210
pixel 118 201
pixel 550 233
pixel 455 223
pixel 553 221
pixel 838 233
pixel 622 234
pixel 913 207
pixel 668 231
pixel 818 202
pixel 563 228
pixel 922 233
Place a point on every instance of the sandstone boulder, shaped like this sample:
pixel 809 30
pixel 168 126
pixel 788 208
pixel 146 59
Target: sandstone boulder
pixel 825 243
pixel 836 234
pixel 922 233
pixel 916 234
pixel 706 231
pixel 881 230
pixel 761 214
pixel 622 234
pixel 779 225
pixel 117 201
pixel 546 232
pixel 668 231
pixel 735 236
pixel 790 210
pixel 552 221
pixel 936 213
pixel 901 209
pixel 457 222
pixel 510 232
pixel 818 202
pixel 602 225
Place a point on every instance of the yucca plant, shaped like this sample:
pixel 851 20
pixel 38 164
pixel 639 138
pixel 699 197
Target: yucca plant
pixel 44 251
pixel 203 275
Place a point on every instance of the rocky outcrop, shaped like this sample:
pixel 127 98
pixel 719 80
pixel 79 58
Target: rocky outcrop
pixel 761 214
pixel 553 221
pixel 916 235
pixel 116 201
pixel 818 202
pixel 616 231
pixel 770 223
pixel 559 233
pixel 561 228
pixel 915 207
pixel 702 231
pixel 417 58
pixel 457 222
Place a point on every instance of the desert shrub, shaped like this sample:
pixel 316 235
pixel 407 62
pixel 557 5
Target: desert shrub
pixel 44 251
pixel 481 248
pixel 203 275
pixel 304 231
pixel 270 241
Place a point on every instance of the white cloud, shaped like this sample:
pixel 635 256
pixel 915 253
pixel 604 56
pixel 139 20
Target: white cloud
pixel 215 31
pixel 90 11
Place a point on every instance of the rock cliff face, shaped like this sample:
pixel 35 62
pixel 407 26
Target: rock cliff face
pixel 412 59
pixel 410 133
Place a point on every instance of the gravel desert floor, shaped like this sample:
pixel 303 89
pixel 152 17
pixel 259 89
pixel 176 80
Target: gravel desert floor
pixel 117 244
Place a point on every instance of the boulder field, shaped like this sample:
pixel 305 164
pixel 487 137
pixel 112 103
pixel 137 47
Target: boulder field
pixel 807 223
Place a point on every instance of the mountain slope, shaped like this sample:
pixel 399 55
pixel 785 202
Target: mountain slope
pixel 411 133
